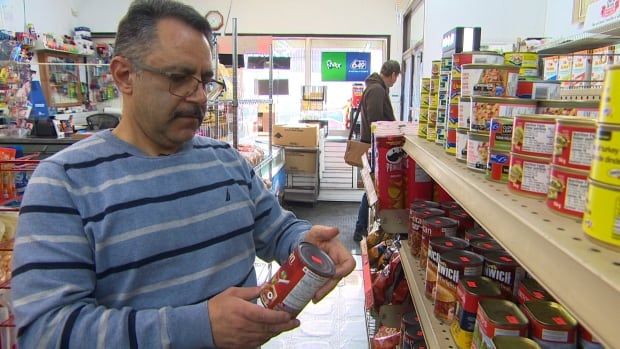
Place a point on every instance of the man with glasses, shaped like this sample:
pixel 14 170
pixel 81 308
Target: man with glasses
pixel 146 235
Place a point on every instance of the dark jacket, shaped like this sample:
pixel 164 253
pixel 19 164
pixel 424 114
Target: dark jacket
pixel 376 105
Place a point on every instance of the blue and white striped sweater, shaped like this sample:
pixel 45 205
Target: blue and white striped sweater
pixel 116 249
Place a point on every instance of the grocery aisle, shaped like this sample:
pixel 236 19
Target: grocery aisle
pixel 338 321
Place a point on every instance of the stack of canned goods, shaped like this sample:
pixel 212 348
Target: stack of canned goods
pixel 601 219
pixel 527 63
pixel 422 119
pixel 431 130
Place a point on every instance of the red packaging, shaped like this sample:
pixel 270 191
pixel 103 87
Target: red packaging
pixel 466 222
pixel 529 175
pixel 502 268
pixel 389 171
pixel 401 292
pixel 436 247
pixel 568 190
pixel 455 90
pixel 453 116
pixel 452 266
pixel 533 135
pixel 307 269
pixel 587 340
pixel 419 183
pixel 449 205
pixel 574 143
pixel 476 233
pixel 530 290
pixel 484 246
pixel 435 227
pixel 550 324
pixel 440 194
pixel 386 338
pixel 416 217
pixel 415 204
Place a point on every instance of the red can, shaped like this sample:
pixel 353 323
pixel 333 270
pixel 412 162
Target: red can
pixel 568 190
pixel 529 175
pixel 435 227
pixel 436 247
pixel 466 222
pixel 476 233
pixel 530 289
pixel 452 266
pixel 550 324
pixel 416 218
pixel 533 135
pixel 587 340
pixel 389 171
pixel 411 334
pixel 449 205
pixel 455 91
pixel 484 246
pixel 453 116
pixel 416 204
pixel 500 267
pixel 574 143
pixel 497 317
pixel 307 269
pixel 419 183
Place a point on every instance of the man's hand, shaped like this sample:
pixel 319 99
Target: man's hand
pixel 237 322
pixel 326 238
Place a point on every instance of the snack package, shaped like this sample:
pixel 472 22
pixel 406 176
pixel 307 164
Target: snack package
pixel 386 338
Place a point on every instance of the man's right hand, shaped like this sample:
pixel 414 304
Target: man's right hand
pixel 238 322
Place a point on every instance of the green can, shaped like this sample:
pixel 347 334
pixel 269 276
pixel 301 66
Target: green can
pixel 501 133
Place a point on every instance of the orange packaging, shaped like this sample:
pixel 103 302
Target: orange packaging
pixel 389 171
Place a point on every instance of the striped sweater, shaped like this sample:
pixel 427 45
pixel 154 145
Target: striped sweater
pixel 116 249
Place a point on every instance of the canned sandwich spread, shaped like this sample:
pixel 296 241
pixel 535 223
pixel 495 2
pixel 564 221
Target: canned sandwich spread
pixel 568 189
pixel 522 59
pixel 485 245
pixel 452 266
pixel 587 109
pixel 469 292
pixel 533 135
pixel 530 289
pixel 529 175
pixel 498 166
pixel 501 133
pixel 574 143
pixel 483 109
pixel 423 115
pixel 601 220
pixel 489 80
pixel 455 90
pixel 437 246
pixel 497 318
pixel 416 217
pixel 415 204
pixel 477 151
pixel 500 267
pixel 606 161
pixel 422 129
pixel 551 326
pixel 426 85
pixel 510 342
pixel 610 100
pixel 453 116
pixel 476 233
pixel 431 133
pixel 435 227
pixel 291 288
pixel 466 222
pixel 461 144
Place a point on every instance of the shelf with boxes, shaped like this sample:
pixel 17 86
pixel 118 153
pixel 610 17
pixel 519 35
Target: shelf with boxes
pixel 580 274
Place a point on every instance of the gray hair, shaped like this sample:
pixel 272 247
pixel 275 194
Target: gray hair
pixel 390 67
pixel 137 30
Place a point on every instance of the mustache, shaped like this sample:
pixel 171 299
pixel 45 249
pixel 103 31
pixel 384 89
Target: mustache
pixel 195 111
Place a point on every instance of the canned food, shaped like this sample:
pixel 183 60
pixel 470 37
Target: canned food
pixel 497 317
pixel 449 205
pixel 498 166
pixel 539 90
pixel 426 85
pixel 551 68
pixel 418 344
pixel 588 109
pixel 464 112
pixel 410 328
pixel 587 341
pixel 440 136
pixel 573 144
pixel 610 98
pixel 431 133
pixel 481 57
pixel 307 269
pixel 435 227
pixel 466 222
pixel 510 342
pixel 437 246
pixel 433 101
pixel 432 116
pixel 522 59
pixel 435 67
pixel 416 204
pixel 461 144
pixel 529 73
pixel 389 171
pixel 450 141
pixel 423 116
pixel 455 90
pixel 411 335
pixel 533 135
pixel 606 162
pixel 425 100
pixel 483 246
pixel 422 129
pixel 502 268
pixel 446 64
pixel 501 133
pixel 551 326
pixel 530 289
pixel 451 267
pixel 568 189
pixel 477 151
pixel 441 117
pixel 434 85
pixel 453 116
pixel 476 233
pixel 469 292
pixel 601 220
pixel 485 108
pixel 529 175
pixel 416 218
pixel 489 80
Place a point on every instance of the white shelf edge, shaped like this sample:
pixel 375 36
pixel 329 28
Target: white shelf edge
pixel 582 276
pixel 436 333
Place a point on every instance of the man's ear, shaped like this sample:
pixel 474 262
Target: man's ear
pixel 121 71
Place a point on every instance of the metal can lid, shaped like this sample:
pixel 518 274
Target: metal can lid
pixel 480 286
pixel 477 232
pixel 534 288
pixel 555 103
pixel 512 342
pixel 538 159
pixel 426 212
pixel 576 120
pixel 606 186
pixel 550 314
pixel 491 66
pixel 501 258
pixel 503 312
pixel 608 127
pixel 504 100
pixel 478 136
pixel 424 204
pixel 548 118
pixel 465 99
pixel 461 257
pixel 564 169
pixel 443 222
pixel 410 318
pixel 445 243
pixel 485 244
pixel 317 260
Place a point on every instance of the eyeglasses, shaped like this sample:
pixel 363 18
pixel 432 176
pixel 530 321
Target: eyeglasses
pixel 185 85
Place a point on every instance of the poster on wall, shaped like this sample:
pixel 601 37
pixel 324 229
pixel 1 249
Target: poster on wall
pixel 345 66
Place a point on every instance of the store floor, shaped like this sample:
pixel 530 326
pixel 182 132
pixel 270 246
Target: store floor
pixel 338 321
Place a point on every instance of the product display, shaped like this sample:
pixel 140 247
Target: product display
pixel 497 317
pixel 550 324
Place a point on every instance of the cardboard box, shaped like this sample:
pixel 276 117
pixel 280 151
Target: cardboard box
pixel 296 135
pixel 601 59
pixel 300 161
pixel 582 68
pixel 551 68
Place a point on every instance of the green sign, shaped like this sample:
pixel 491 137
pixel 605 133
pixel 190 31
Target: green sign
pixel 334 66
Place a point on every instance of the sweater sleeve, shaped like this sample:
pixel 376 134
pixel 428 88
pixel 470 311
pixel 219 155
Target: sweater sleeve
pixel 54 283
pixel 374 104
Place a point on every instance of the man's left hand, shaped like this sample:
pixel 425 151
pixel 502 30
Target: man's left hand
pixel 326 238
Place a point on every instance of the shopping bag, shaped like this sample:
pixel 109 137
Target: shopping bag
pixel 355 149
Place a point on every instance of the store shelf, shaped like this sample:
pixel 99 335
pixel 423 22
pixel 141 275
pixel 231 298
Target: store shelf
pixel 583 276
pixel 579 42
pixel 436 333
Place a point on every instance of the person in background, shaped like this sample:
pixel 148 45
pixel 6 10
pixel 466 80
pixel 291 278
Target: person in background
pixel 376 106
pixel 145 236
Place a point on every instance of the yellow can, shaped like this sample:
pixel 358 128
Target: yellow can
pixel 422 127
pixel 431 133
pixel 606 159
pixel 426 85
pixel 522 59
pixel 435 67
pixel 610 100
pixel 601 220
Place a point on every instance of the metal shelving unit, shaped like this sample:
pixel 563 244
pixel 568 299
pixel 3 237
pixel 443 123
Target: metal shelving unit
pixel 436 333
pixel 580 274
pixel 579 42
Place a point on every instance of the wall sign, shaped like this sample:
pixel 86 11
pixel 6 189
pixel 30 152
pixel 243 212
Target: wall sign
pixel 345 66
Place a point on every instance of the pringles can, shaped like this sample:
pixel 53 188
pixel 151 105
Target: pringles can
pixel 292 287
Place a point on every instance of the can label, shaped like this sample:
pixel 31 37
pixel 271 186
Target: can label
pixel 522 59
pixel 606 162
pixel 464 113
pixel 423 116
pixel 473 57
pixel 610 98
pixel 455 90
pixel 477 153
pixel 534 137
pixel 567 191
pixel 483 112
pixel 453 116
pixel 574 145
pixel 586 112
pixel 490 81
pixel 389 171
pixel 601 220
pixel 501 133
pixel 507 275
pixel 529 177
pixel 448 227
pixel 498 167
pixel 422 129
pixel 461 145
pixel 448 276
